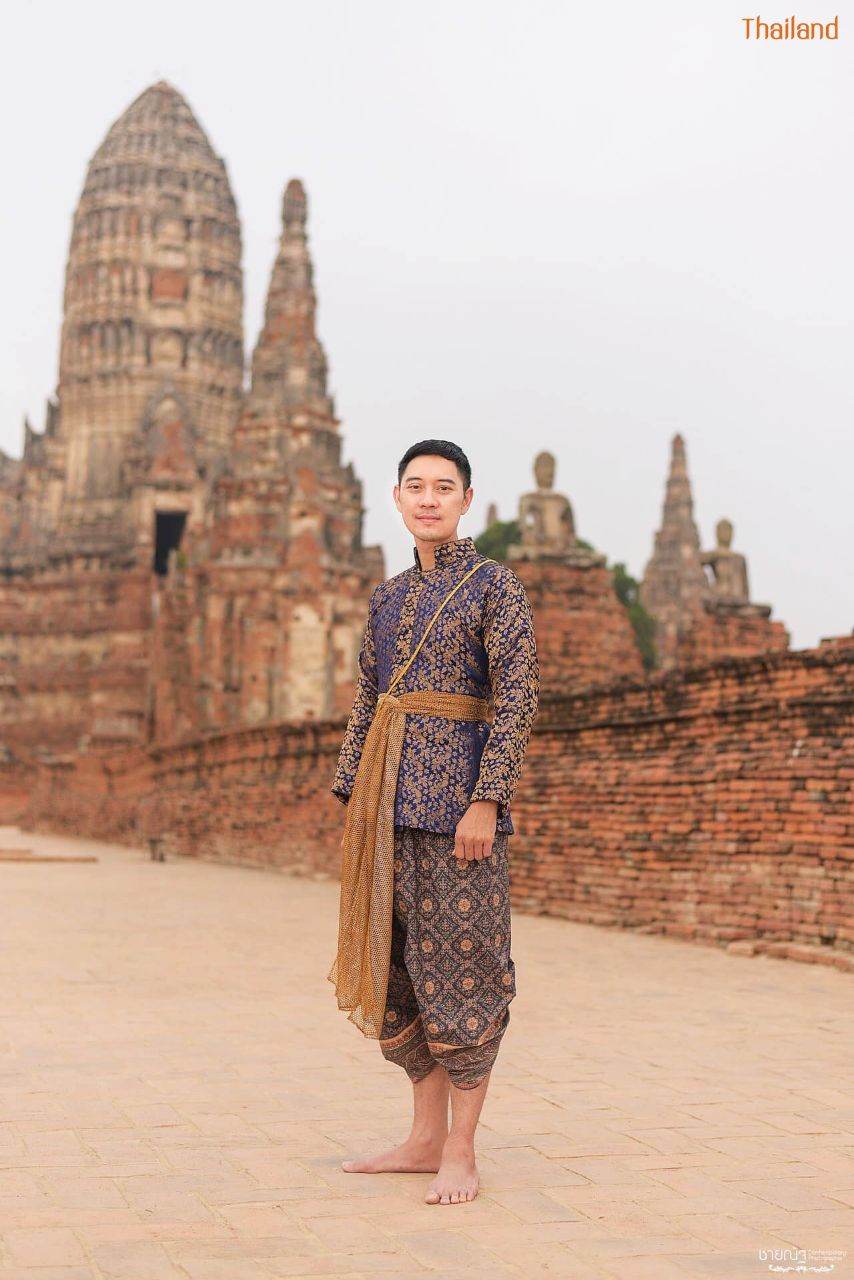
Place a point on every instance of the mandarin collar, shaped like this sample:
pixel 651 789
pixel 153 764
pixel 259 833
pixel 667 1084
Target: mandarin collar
pixel 448 553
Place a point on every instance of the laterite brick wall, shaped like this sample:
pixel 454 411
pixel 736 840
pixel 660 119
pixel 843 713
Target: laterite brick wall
pixel 713 804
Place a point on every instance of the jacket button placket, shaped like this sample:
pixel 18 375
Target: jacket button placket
pixel 403 645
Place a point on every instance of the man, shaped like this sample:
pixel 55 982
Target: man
pixel 424 958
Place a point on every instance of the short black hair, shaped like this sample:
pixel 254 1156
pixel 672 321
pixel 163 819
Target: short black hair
pixel 441 448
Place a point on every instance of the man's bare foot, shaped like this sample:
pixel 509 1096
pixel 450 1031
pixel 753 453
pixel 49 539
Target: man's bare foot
pixel 457 1180
pixel 415 1155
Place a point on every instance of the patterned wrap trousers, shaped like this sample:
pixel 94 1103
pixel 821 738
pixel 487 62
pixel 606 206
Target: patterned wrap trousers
pixel 451 977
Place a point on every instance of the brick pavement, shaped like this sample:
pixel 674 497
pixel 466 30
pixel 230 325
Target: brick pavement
pixel 177 1089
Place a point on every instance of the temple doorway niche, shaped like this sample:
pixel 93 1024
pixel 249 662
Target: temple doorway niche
pixel 168 531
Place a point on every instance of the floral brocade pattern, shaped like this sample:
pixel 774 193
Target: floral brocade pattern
pixel 451 977
pixel 482 644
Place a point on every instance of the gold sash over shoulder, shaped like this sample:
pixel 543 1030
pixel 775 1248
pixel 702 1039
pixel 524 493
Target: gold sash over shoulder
pixel 360 969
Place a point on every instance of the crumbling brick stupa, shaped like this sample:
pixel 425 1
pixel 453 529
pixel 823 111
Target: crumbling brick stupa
pixel 152 446
pixel 583 632
pixel 261 616
pixel 701 600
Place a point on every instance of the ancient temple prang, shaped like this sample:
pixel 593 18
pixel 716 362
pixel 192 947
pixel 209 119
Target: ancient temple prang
pixel 583 632
pixel 149 386
pixel 158 485
pixel 674 583
pixel 700 600
pixel 151 350
pixel 262 620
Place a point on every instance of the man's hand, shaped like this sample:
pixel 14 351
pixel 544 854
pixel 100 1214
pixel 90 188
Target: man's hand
pixel 475 830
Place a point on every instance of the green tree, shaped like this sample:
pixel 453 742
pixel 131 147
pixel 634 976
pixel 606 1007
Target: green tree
pixel 643 623
pixel 496 538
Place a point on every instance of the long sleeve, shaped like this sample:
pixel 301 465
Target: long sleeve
pixel 360 719
pixel 508 636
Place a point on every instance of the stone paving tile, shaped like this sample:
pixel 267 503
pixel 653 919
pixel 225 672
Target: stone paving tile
pixel 355 1266
pixel 42 1246
pixel 638 1268
pixel 224 1269
pixel 453 1246
pixel 49 1273
pixel 177 1091
pixel 534 1206
pixel 235 1247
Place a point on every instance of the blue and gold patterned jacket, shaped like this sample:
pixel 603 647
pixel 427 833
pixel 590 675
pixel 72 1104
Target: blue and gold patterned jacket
pixel 482 644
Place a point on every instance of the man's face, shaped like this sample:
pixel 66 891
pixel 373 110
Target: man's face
pixel 431 498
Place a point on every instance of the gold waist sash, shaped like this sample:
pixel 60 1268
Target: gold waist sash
pixel 361 966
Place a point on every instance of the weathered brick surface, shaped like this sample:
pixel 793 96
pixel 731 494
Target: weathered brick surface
pixel 716 632
pixel 257 796
pixel 16 782
pixel 74 659
pixel 713 805
pixel 583 632
pixel 99 794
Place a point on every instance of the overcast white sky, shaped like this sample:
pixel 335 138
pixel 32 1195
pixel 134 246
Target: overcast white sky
pixel 535 225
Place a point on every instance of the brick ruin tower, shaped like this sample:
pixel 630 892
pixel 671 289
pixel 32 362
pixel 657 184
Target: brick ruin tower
pixel 674 583
pixel 262 619
pixel 150 373
pixel 153 455
pixel 151 351
pixel 700 616
pixel 583 632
